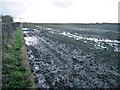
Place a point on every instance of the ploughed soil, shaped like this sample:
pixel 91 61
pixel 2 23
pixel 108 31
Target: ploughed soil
pixel 59 63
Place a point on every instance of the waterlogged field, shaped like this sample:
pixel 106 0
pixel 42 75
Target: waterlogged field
pixel 73 55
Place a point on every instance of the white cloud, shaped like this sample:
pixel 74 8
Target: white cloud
pixel 62 10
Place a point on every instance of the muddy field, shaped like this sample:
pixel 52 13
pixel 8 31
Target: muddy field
pixel 73 56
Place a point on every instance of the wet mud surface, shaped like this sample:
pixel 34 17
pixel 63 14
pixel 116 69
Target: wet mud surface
pixel 59 62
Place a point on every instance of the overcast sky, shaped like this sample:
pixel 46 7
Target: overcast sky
pixel 61 11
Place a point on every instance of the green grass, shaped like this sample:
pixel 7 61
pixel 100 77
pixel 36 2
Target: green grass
pixel 13 72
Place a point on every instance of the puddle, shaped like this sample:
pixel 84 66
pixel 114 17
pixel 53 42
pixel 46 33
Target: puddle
pixel 112 43
pixel 49 29
pixel 31 40
pixel 24 29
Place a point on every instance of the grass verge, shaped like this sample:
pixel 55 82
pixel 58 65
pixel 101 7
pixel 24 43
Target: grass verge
pixel 13 71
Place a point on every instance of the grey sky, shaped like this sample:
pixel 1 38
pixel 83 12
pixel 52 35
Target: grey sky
pixel 11 7
pixel 79 11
